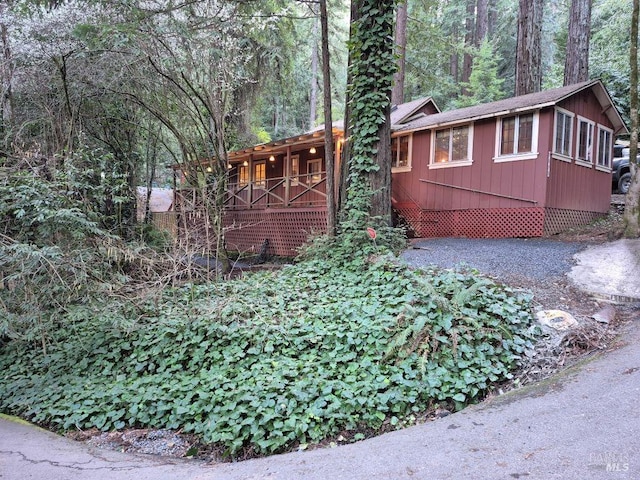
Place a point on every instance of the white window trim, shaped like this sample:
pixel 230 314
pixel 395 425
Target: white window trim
pixel 518 156
pixel 406 168
pixel 558 155
pixel 451 164
pixel 603 168
pixel 580 161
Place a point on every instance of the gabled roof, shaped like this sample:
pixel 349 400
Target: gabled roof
pixel 400 114
pixel 532 101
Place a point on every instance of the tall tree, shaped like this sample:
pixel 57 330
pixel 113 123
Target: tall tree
pixel 469 39
pixel 313 87
pixel 371 69
pixel 397 94
pixel 6 76
pixel 576 66
pixel 329 146
pixel 482 22
pixel 632 204
pixel 529 47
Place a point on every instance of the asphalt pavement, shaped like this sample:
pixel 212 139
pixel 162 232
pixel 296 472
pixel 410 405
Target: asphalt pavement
pixel 584 423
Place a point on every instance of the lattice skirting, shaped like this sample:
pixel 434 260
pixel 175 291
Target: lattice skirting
pixel 286 229
pixel 557 220
pixel 476 223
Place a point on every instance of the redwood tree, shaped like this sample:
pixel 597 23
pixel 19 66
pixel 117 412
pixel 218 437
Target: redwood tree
pixel 368 158
pixel 397 95
pixel 529 48
pixel 576 66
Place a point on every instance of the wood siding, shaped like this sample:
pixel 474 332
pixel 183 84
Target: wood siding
pixel 573 186
pixel 529 197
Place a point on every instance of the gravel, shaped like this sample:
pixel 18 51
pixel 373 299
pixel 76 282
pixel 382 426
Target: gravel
pixel 505 259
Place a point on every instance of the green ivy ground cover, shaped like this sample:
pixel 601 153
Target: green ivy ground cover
pixel 276 359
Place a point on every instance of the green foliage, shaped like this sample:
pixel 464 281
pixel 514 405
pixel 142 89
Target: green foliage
pixel 484 84
pixel 372 65
pixel 275 359
pixel 54 250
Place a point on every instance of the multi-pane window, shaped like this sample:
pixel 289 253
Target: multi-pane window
pixel 585 140
pixel 604 147
pixel 243 175
pixel 314 169
pixel 259 174
pixel 563 131
pixel 401 151
pixel 295 169
pixel 516 135
pixel 452 145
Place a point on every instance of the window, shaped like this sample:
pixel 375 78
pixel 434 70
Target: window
pixel 314 167
pixel 401 153
pixel 451 147
pixel 585 140
pixel 604 147
pixel 243 175
pixel 260 174
pixel 563 131
pixel 295 169
pixel 518 135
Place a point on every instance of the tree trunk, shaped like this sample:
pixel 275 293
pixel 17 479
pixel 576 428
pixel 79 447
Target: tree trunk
pixel 482 21
pixel 469 23
pixel 368 156
pixel 632 201
pixel 6 73
pixel 313 95
pixel 576 67
pixel 529 48
pixel 329 146
pixel 492 18
pixel 397 94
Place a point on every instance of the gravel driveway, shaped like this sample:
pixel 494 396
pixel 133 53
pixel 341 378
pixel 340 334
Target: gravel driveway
pixel 505 259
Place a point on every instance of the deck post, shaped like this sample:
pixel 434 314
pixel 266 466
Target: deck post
pixel 287 176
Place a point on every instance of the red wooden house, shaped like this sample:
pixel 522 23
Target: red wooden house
pixel 522 167
pixel 526 166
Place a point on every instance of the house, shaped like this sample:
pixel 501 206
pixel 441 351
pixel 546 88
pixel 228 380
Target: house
pixel 526 166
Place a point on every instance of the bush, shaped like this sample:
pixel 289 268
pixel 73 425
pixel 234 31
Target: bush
pixel 276 359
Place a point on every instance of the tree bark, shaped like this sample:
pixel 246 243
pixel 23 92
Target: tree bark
pixel 397 94
pixel 529 48
pixel 469 35
pixel 482 21
pixel 313 95
pixel 329 146
pixel 576 67
pixel 6 100
pixel 632 200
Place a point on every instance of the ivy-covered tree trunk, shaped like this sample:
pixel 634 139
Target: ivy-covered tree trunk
pixel 576 67
pixel 529 47
pixel 632 204
pixel 371 69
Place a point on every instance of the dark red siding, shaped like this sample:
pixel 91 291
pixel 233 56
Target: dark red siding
pixel 526 198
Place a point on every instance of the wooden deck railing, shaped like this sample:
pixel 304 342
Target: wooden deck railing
pixel 307 190
pixel 281 192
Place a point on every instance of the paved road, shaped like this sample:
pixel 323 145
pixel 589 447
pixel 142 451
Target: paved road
pixel 584 424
